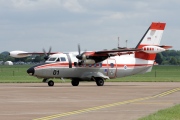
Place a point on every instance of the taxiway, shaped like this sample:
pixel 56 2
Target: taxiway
pixel 114 100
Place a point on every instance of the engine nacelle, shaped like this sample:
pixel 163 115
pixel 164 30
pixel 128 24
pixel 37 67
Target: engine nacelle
pixel 83 57
pixel 89 61
pixel 19 54
pixel 152 49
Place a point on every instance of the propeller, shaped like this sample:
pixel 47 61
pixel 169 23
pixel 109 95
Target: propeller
pixel 79 56
pixel 46 54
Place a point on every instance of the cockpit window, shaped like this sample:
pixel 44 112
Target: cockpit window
pixel 51 59
pixel 63 59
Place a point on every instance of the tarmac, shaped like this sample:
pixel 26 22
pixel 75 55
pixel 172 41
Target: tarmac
pixel 113 101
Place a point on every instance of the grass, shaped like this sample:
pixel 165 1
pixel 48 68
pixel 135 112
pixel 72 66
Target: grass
pixel 17 74
pixel 158 74
pixel 172 113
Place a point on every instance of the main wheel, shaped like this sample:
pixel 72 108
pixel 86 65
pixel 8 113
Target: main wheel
pixel 99 81
pixel 51 83
pixel 75 82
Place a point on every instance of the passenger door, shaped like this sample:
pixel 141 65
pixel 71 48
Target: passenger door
pixel 112 68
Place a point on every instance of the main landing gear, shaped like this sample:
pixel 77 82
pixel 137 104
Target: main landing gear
pixel 50 82
pixel 99 81
pixel 75 81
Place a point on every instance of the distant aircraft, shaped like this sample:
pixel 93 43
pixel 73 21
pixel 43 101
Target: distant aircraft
pixel 102 65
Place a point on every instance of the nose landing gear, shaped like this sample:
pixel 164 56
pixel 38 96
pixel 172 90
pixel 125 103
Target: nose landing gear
pixel 50 82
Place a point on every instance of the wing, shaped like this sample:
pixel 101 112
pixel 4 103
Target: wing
pixel 117 52
pixel 22 54
pixel 35 53
pixel 98 56
pixel 165 46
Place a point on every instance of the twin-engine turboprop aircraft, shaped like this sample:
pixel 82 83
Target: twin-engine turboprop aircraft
pixel 101 65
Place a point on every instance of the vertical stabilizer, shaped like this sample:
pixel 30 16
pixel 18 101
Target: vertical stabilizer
pixel 152 37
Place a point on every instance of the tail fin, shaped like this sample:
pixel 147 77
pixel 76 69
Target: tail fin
pixel 152 37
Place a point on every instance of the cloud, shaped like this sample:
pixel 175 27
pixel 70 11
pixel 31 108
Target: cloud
pixel 35 5
pixel 72 5
pixel 56 23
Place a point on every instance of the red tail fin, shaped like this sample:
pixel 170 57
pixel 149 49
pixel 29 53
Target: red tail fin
pixel 152 37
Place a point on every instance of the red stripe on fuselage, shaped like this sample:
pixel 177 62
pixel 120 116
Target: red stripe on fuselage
pixel 66 65
pixel 58 64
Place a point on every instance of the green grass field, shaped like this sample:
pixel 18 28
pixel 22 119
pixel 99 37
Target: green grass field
pixel 172 113
pixel 17 74
pixel 158 74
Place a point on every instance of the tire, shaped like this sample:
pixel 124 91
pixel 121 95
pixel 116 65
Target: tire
pixel 99 81
pixel 51 83
pixel 75 82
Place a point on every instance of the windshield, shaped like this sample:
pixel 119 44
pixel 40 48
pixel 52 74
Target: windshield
pixel 56 59
pixel 51 59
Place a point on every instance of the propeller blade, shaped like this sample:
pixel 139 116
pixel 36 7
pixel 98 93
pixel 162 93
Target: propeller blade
pixel 46 55
pixel 44 52
pixel 79 56
pixel 49 51
pixel 79 49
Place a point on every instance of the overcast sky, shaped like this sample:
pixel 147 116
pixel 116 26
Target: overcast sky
pixel 32 25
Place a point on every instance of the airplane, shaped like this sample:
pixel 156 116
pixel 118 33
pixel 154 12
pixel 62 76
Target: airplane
pixel 99 66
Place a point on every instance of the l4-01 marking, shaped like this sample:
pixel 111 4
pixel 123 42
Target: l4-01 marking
pixel 55 72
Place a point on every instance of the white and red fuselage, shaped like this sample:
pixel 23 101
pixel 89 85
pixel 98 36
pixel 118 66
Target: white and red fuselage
pixel 101 65
pixel 117 66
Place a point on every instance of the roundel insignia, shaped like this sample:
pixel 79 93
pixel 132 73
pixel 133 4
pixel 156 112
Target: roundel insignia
pixel 125 67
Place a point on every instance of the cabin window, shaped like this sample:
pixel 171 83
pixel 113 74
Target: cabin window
pixel 63 59
pixel 51 59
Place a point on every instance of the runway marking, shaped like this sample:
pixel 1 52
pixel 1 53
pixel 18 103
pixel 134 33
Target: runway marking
pixel 152 103
pixel 108 105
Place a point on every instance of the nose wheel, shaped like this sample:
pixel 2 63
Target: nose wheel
pixel 51 83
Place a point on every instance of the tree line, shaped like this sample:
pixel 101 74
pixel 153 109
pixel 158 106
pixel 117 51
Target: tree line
pixel 169 57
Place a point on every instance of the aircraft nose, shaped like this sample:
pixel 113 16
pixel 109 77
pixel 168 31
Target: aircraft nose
pixel 30 71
